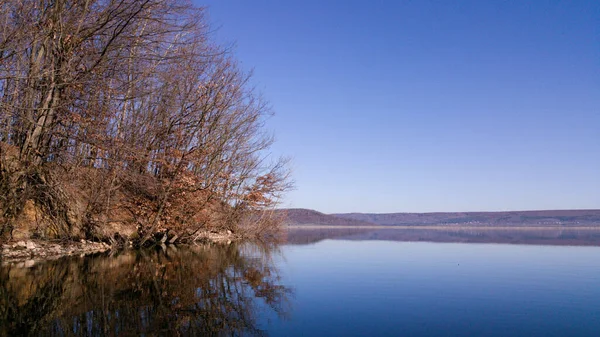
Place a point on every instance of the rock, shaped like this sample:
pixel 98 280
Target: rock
pixel 27 249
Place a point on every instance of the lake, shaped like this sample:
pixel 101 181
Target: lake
pixel 337 282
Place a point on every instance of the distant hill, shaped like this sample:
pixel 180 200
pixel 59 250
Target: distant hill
pixel 300 216
pixel 516 218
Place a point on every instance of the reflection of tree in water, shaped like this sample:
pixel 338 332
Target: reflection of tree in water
pixel 199 290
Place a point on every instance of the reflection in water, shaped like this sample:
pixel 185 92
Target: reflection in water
pixel 197 290
pixel 524 235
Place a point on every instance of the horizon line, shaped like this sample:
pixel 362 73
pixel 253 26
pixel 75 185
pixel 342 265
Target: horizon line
pixel 438 212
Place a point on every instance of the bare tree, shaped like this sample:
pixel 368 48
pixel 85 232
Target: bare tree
pixel 112 105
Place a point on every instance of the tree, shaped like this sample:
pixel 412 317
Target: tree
pixel 113 105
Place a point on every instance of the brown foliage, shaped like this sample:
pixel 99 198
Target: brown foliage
pixel 127 106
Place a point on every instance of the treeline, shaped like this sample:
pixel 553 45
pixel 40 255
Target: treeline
pixel 120 113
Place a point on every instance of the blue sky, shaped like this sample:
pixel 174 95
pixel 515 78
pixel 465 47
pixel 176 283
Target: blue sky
pixel 419 106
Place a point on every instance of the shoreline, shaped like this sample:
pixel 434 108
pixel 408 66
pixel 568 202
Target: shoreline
pixel 31 251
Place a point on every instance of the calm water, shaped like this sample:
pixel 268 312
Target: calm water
pixel 328 287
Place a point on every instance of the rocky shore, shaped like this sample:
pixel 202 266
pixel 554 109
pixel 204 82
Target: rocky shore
pixel 224 237
pixel 29 251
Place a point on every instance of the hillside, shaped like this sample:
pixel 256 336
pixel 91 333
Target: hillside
pixel 516 218
pixel 300 216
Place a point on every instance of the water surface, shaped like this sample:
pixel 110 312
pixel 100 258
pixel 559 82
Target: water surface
pixel 195 290
pixel 344 287
pixel 359 288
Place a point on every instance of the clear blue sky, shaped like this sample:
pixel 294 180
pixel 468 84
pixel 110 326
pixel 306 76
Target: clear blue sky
pixel 418 106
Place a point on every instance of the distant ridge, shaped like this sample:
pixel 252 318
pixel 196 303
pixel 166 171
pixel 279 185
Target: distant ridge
pixel 301 216
pixel 511 218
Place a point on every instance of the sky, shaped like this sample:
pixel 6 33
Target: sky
pixel 424 106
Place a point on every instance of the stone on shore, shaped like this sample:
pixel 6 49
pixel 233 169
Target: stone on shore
pixel 32 250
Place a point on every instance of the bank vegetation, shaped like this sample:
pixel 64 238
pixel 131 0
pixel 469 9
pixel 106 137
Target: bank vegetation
pixel 123 119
